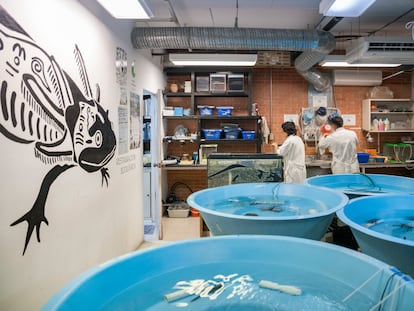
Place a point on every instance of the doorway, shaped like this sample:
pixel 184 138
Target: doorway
pixel 151 170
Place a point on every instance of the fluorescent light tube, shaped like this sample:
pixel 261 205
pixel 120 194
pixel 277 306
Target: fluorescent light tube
pixel 191 59
pixel 340 61
pixel 127 9
pixel 344 8
pixel 345 64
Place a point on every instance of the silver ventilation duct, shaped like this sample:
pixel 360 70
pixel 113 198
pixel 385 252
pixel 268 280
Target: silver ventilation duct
pixel 314 44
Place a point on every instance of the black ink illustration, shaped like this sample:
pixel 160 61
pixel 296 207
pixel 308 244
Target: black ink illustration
pixel 41 105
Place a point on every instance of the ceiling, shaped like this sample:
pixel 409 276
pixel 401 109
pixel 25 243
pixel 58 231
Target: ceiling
pixel 383 18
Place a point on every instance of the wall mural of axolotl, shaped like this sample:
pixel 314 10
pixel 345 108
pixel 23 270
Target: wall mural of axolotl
pixel 41 105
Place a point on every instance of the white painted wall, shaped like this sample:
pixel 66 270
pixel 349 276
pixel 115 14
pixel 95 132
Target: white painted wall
pixel 88 223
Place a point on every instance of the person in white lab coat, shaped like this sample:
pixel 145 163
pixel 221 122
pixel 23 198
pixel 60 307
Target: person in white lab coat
pixel 293 152
pixel 342 143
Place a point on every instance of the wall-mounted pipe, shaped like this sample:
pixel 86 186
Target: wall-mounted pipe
pixel 315 44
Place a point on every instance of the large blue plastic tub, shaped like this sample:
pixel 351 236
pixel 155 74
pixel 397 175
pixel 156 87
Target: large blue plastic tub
pixel 223 273
pixel 268 208
pixel 384 228
pixel 357 185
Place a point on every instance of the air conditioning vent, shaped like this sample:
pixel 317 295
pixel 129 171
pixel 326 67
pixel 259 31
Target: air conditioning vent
pixel 391 47
pixel 381 50
pixel 357 77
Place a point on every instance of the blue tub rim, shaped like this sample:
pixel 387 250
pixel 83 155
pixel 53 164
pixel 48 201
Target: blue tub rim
pixel 356 226
pixel 331 211
pixel 362 193
pixel 73 285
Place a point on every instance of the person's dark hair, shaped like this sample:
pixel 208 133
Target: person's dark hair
pixel 337 121
pixel 289 128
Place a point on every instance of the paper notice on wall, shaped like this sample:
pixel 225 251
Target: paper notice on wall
pixel 121 66
pixel 291 117
pixel 349 119
pixel 123 130
pixel 135 126
pixel 320 101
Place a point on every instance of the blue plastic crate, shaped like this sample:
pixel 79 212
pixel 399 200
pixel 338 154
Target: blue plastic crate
pixel 212 133
pixel 249 135
pixel 224 111
pixel 363 157
pixel 206 110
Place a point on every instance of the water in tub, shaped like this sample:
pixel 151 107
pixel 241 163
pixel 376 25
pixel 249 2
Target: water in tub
pixel 240 286
pixel 402 228
pixel 268 206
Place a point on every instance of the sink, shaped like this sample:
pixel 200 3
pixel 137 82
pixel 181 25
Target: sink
pixel 320 163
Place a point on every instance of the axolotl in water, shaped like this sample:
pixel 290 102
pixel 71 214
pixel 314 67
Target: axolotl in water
pixel 40 104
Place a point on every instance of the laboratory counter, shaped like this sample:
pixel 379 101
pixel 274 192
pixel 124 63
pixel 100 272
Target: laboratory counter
pixel 322 167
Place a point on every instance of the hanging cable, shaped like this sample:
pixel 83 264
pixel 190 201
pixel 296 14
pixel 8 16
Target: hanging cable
pixel 236 20
pixel 212 17
pixel 391 22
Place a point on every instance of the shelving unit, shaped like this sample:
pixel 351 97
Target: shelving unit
pixel 186 101
pixel 202 94
pixel 399 112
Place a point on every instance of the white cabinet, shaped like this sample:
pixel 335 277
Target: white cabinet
pixel 398 112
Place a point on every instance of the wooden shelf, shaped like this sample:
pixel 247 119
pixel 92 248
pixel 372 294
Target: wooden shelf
pixel 184 167
pixel 241 101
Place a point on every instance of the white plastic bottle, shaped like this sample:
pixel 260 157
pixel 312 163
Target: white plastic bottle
pixel 380 125
pixel 386 124
pixel 375 124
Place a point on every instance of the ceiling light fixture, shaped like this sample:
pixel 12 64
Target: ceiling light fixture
pixel 340 61
pixel 127 9
pixel 193 59
pixel 344 8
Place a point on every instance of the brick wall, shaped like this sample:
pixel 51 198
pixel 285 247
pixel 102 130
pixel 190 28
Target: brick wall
pixel 290 95
pixel 195 179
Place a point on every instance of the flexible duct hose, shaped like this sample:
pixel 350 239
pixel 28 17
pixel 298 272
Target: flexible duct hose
pixel 314 43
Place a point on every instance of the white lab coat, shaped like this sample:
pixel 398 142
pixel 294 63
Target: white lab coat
pixel 293 152
pixel 343 145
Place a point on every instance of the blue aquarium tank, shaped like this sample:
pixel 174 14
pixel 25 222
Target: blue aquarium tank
pixel 243 273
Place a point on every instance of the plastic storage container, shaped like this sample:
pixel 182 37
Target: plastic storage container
pixel 363 157
pixel 232 133
pixel 178 211
pixel 249 135
pixel 212 133
pixel 206 110
pixel 224 111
